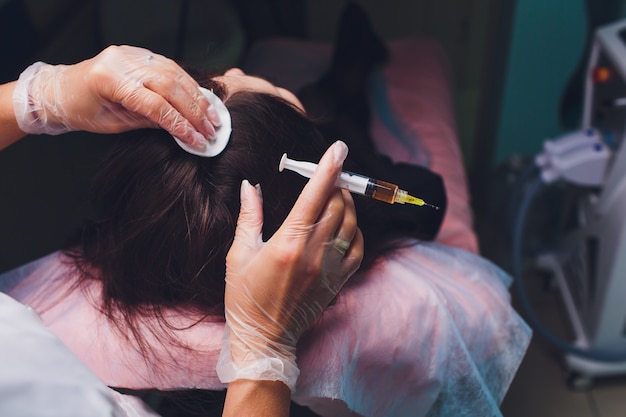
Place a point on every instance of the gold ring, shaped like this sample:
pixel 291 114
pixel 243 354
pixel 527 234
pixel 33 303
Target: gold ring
pixel 341 245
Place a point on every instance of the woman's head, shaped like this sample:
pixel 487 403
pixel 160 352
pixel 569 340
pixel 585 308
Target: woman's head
pixel 164 219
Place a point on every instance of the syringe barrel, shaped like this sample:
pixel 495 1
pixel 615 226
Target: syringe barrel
pixel 355 183
pixel 381 190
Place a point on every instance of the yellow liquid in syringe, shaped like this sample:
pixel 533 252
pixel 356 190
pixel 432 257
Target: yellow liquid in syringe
pixel 390 193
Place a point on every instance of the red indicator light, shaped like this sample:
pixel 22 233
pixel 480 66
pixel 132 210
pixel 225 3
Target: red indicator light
pixel 601 75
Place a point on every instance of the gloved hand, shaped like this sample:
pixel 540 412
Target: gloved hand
pixel 121 88
pixel 276 290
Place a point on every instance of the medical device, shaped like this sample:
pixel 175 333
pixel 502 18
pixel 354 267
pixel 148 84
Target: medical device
pixel 222 132
pixel 359 184
pixel 589 260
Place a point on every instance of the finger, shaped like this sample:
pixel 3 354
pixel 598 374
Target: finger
pixel 354 255
pixel 142 73
pixel 183 93
pixel 159 112
pixel 342 235
pixel 342 266
pixel 164 75
pixel 349 263
pixel 248 233
pixel 250 220
pixel 348 226
pixel 331 214
pixel 313 198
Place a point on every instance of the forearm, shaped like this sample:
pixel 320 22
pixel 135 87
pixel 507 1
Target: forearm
pixel 9 130
pixel 246 398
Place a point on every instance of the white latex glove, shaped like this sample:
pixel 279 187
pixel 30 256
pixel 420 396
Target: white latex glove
pixel 276 290
pixel 121 88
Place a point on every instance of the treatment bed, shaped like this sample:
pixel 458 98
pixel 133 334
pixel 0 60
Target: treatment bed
pixel 428 331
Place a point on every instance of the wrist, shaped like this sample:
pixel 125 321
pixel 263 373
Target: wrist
pixel 253 357
pixel 261 398
pixel 36 100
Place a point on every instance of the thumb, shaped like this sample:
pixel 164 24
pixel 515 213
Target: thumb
pixel 248 234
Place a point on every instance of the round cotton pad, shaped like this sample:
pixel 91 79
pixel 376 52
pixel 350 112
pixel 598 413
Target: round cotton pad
pixel 222 133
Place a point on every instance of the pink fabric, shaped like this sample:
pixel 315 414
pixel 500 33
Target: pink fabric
pixel 418 85
pixel 401 339
pixel 419 93
pixel 74 314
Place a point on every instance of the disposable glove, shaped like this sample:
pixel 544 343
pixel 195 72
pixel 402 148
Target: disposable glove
pixel 122 88
pixel 276 290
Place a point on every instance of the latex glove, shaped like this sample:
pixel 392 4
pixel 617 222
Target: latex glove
pixel 276 290
pixel 122 88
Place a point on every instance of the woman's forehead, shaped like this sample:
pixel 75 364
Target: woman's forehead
pixel 235 80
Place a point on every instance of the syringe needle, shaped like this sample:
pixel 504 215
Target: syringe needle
pixel 404 197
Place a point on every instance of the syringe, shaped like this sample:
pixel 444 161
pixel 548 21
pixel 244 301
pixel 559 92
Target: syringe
pixel 355 183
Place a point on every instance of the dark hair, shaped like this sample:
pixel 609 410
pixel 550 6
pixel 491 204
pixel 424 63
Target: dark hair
pixel 164 219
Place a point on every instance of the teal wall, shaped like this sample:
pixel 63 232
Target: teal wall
pixel 547 43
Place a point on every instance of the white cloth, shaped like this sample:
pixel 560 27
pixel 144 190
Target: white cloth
pixel 428 331
pixel 40 376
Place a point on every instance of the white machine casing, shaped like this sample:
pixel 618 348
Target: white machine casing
pixel 590 263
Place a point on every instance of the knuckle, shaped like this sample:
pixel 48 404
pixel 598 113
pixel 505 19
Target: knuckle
pixel 231 257
pixel 112 50
pixel 312 269
pixel 172 63
pixel 172 120
pixel 336 201
pixel 133 99
pixel 168 84
pixel 294 257
pixel 99 72
pixel 287 255
pixel 350 222
pixel 307 200
pixel 194 109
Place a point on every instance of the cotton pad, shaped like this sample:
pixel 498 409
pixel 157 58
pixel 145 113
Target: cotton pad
pixel 222 133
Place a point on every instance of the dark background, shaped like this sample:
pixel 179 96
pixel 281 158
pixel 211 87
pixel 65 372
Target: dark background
pixel 43 178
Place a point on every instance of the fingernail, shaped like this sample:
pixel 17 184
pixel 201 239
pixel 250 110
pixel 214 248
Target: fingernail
pixel 215 117
pixel 245 190
pixel 340 151
pixel 209 128
pixel 199 142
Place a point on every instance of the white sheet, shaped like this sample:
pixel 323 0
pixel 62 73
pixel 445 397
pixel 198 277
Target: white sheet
pixel 428 331
pixel 40 376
